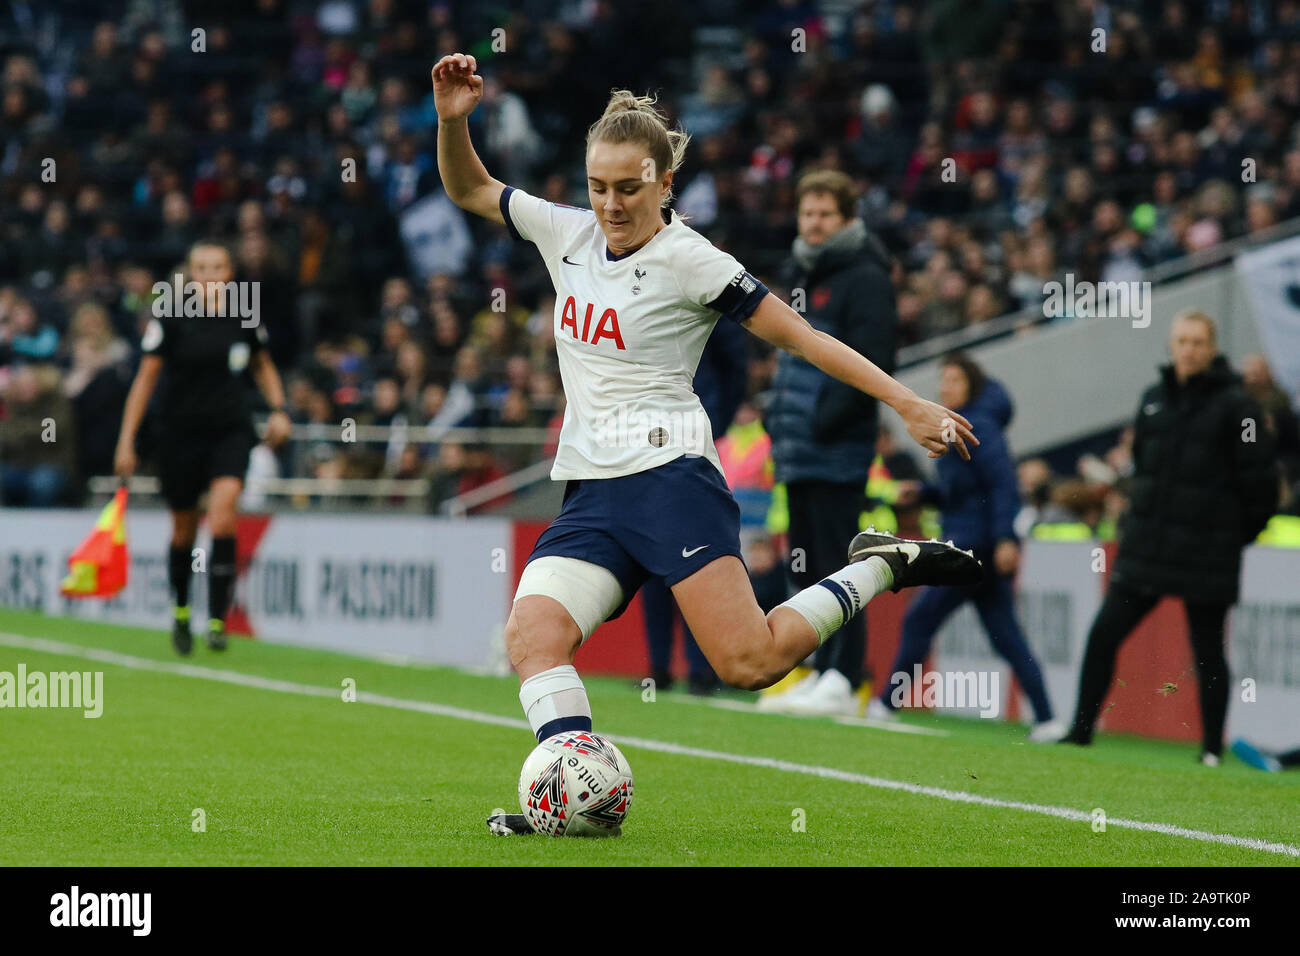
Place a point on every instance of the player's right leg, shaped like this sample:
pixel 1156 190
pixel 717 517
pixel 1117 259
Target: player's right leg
pixel 185 528
pixel 181 465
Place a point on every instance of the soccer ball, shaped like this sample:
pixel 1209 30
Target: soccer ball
pixel 576 783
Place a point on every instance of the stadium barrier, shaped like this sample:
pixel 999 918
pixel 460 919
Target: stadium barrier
pixel 1155 689
pixel 418 588
pixel 438 590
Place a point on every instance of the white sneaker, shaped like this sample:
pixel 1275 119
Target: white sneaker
pixel 1047 732
pixel 831 696
pixel 1209 759
pixel 878 711
pixel 776 703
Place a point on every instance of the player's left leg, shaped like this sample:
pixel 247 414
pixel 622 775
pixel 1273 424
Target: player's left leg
pixel 753 650
pixel 695 518
pixel 1205 622
pixel 559 603
pixel 223 504
pixel 181 473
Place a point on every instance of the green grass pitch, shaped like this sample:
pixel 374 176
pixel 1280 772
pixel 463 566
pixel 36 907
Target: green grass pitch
pixel 287 777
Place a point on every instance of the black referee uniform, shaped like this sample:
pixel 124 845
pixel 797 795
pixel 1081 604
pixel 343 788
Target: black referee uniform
pixel 205 428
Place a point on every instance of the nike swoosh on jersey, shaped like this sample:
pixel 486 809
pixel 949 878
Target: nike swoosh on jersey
pixel 566 261
pixel 687 554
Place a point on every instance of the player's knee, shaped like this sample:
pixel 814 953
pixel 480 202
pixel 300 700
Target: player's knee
pixel 223 529
pixel 185 529
pixel 540 632
pixel 748 670
pixel 745 676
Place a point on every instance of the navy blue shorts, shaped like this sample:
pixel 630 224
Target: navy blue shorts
pixel 667 522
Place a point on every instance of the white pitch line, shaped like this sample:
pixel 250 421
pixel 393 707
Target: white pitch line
pixel 894 726
pixel 829 773
pixel 740 706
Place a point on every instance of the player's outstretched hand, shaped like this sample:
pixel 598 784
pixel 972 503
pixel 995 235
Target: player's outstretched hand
pixel 456 87
pixel 936 428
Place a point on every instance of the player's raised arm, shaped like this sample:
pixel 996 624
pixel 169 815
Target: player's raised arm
pixel 931 425
pixel 456 92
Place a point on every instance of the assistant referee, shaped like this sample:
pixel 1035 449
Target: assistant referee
pixel 206 431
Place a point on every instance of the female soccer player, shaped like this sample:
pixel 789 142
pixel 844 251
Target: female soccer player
pixel 206 431
pixel 637 295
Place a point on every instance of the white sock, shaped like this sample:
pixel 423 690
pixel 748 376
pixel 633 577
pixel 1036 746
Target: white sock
pixel 555 701
pixel 832 601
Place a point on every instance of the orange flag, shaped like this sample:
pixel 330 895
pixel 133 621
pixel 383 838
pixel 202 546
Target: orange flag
pixel 98 567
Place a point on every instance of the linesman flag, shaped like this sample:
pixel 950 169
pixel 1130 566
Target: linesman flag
pixel 98 567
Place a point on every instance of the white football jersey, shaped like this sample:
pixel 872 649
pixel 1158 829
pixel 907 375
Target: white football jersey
pixel 629 333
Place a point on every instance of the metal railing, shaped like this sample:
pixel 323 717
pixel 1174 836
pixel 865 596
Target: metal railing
pixel 460 505
pixel 419 434
pixel 378 489
pixel 412 494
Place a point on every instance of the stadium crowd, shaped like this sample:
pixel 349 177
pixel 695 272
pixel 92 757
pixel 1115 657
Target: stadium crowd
pixel 995 145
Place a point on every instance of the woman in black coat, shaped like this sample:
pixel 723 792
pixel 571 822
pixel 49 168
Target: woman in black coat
pixel 1205 484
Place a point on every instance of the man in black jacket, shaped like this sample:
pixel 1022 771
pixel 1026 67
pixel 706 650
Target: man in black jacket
pixel 1205 484
pixel 823 431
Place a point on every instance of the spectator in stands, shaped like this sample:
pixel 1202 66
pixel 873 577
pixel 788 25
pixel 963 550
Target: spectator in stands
pixel 1203 488
pixel 1279 413
pixel 1072 512
pixel 510 137
pixel 38 443
pixel 715 107
pixel 464 404
pixel 22 334
pixel 448 337
pixel 412 371
pixel 979 501
pixel 1034 479
pixel 881 146
pixel 469 468
pixel 515 413
pixel 431 401
pixel 398 302
pixel 97 384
